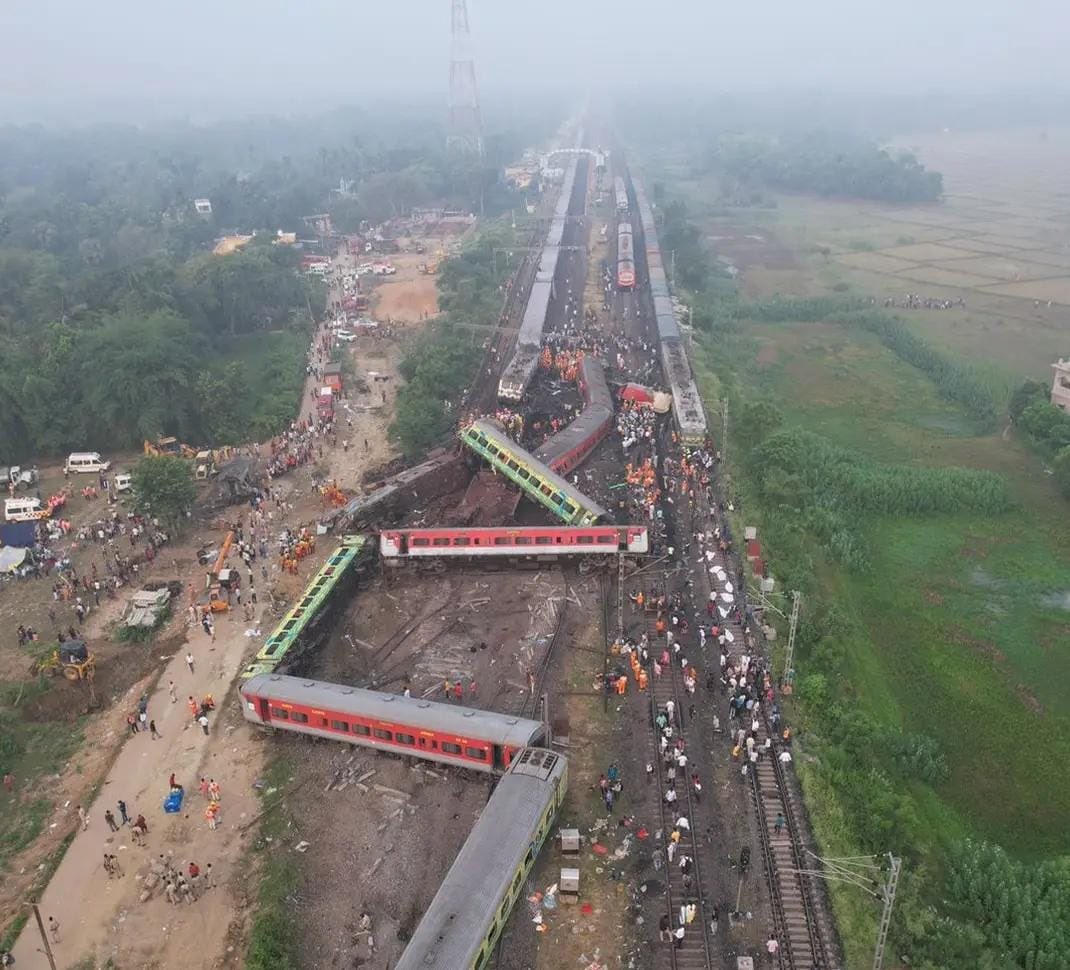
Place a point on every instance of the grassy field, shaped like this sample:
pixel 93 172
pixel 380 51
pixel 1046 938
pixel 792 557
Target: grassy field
pixel 960 627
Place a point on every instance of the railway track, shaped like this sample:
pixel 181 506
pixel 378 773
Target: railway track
pixel 694 952
pixel 801 918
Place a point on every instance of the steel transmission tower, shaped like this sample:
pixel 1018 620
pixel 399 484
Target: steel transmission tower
pixel 465 125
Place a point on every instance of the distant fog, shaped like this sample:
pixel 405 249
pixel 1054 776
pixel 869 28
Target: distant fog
pixel 68 60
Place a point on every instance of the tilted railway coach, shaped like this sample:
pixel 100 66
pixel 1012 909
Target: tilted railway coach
pixel 446 733
pixel 513 541
pixel 462 926
pixel 533 478
pixel 568 448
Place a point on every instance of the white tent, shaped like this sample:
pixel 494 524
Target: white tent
pixel 11 558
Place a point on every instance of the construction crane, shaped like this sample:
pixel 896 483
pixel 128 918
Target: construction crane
pixel 219 580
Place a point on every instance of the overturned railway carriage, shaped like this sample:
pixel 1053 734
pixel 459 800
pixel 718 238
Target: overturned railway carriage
pixel 446 733
pixel 533 478
pixel 568 448
pixel 688 413
pixel 461 927
pixel 308 620
pixel 536 542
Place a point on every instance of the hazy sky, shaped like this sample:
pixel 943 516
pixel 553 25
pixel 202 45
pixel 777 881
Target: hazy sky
pixel 75 58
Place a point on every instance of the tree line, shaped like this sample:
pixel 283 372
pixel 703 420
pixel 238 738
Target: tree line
pixel 827 164
pixel 146 350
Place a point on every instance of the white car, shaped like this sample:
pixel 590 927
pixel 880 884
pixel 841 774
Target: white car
pixel 366 268
pixel 346 335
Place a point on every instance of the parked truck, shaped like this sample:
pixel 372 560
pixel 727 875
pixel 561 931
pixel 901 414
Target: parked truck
pixel 332 377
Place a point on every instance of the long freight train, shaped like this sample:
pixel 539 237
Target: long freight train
pixel 518 372
pixel 687 409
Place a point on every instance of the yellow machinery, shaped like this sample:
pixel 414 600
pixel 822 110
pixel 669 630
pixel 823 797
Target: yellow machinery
pixel 168 445
pixel 71 659
pixel 220 580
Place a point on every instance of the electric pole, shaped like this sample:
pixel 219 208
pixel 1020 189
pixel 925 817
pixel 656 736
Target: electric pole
pixel 789 654
pixel 888 894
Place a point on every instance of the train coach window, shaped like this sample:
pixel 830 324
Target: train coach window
pixel 477 753
pixel 513 465
pixel 280 714
pixel 404 738
pixel 569 507
pixel 419 541
pixel 544 540
pixel 450 748
pixel 522 472
pixel 585 540
pixel 298 717
pixel 523 540
pixel 441 541
pixel 546 490
pixel 382 734
pixel 502 541
pixel 462 541
pixel 340 725
pixel 361 729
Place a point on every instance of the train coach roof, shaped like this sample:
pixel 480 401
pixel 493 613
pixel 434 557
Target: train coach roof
pixel 396 709
pixel 451 931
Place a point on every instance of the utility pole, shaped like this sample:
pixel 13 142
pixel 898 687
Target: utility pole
pixel 789 655
pixel 44 935
pixel 888 894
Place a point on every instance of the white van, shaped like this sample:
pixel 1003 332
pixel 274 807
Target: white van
pixel 86 461
pixel 24 509
pixel 123 483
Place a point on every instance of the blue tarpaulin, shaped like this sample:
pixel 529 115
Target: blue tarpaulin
pixel 19 534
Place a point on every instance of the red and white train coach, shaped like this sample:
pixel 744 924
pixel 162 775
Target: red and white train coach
pixel 446 733
pixel 528 541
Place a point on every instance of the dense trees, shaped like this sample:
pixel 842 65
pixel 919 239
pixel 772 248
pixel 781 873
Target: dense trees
pixel 826 164
pixel 117 323
pixel 163 488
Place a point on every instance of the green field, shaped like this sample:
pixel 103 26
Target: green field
pixel 960 628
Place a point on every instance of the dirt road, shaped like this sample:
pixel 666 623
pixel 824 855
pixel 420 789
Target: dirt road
pixel 102 918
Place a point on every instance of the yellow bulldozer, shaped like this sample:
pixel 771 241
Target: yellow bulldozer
pixel 168 445
pixel 72 659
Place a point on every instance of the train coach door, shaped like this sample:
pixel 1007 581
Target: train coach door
pixel 501 756
pixel 263 709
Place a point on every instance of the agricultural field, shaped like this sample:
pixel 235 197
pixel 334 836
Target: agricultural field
pixel 958 630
